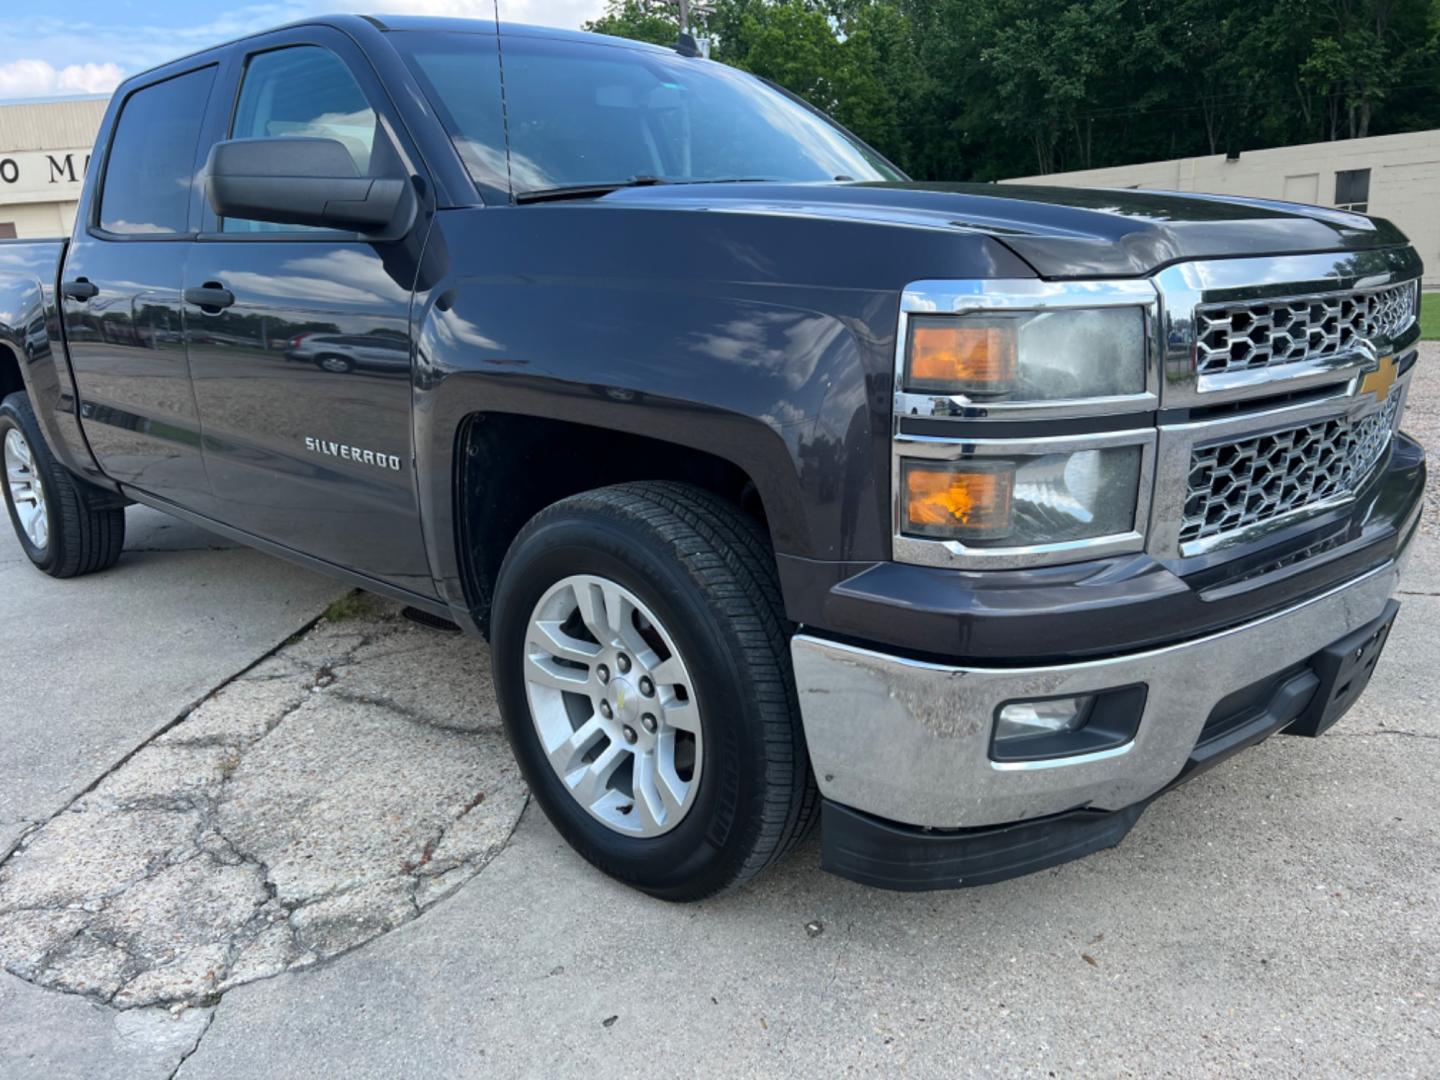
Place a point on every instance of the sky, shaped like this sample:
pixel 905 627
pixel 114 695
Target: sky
pixel 99 43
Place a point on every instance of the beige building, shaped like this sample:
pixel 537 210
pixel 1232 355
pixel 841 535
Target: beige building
pixel 44 148
pixel 1391 176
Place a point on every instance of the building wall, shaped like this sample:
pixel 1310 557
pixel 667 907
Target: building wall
pixel 44 149
pixel 1404 180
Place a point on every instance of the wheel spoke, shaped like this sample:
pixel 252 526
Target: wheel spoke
pixel 648 802
pixel 568 754
pixel 671 788
pixel 599 605
pixel 590 786
pixel 669 672
pixel 682 715
pixel 635 644
pixel 548 636
pixel 545 671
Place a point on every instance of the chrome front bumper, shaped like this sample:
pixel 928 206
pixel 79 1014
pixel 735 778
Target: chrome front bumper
pixel 910 741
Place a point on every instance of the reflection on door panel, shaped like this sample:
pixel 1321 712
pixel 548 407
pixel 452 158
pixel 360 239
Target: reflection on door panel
pixel 308 371
pixel 126 341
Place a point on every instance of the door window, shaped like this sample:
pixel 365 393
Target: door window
pixel 307 91
pixel 152 157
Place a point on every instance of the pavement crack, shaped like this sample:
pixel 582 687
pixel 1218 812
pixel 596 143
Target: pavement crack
pixel 1387 731
pixel 170 725
pixel 199 1035
pixel 414 716
pixel 223 857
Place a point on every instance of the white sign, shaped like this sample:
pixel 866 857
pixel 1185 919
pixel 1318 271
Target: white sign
pixel 42 175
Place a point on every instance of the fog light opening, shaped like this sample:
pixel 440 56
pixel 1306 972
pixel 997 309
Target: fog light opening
pixel 1057 729
pixel 1035 719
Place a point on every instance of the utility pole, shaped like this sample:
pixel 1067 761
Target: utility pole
pixel 687 9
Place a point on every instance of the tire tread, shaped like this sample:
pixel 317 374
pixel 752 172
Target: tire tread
pixel 731 559
pixel 85 537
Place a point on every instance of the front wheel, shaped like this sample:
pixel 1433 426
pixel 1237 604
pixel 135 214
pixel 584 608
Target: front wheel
pixel 63 528
pixel 643 671
pixel 336 365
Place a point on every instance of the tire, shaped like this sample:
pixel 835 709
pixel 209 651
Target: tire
pixel 704 586
pixel 335 364
pixel 81 534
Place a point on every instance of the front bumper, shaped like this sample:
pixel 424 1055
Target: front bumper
pixel 908 741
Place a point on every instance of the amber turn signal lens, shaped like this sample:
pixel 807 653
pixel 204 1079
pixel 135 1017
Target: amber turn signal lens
pixel 962 356
pixel 958 502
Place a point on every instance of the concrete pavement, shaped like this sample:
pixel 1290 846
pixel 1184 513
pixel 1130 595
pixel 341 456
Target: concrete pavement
pixel 94 668
pixel 1278 916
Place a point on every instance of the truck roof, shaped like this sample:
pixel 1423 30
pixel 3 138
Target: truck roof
pixel 433 23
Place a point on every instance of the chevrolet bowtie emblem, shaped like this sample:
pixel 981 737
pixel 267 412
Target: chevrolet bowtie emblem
pixel 1379 381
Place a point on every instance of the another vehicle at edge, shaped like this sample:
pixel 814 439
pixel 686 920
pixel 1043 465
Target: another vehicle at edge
pixel 963 520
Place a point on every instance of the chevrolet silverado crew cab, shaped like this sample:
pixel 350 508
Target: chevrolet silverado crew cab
pixel 963 520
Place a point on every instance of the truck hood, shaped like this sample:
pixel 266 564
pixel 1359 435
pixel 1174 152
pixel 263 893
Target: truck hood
pixel 1061 232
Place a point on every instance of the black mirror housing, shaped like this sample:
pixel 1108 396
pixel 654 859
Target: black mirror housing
pixel 304 181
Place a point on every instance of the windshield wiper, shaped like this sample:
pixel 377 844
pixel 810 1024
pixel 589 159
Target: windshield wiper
pixel 584 191
pixel 587 191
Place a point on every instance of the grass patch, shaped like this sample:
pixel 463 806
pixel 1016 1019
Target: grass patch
pixel 353 605
pixel 1430 317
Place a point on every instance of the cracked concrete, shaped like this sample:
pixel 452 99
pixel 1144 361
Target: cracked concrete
pixel 324 797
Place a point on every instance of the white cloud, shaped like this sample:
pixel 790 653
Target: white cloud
pixel 40 78
pixel 565 13
pixel 71 56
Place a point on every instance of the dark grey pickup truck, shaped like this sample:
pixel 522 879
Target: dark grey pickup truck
pixel 964 520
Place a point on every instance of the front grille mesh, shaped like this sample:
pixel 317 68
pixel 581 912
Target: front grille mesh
pixel 1261 334
pixel 1241 483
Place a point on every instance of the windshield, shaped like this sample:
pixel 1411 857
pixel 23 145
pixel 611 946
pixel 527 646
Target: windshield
pixel 595 114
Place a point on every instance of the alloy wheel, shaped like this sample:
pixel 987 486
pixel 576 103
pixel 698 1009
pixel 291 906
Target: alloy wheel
pixel 27 493
pixel 613 705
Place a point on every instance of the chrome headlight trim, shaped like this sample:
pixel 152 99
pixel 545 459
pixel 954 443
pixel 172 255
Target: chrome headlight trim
pixel 954 554
pixel 1020 295
pixel 1023 295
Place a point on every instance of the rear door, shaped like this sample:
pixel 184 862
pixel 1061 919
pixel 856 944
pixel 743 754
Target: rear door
pixel 307 447
pixel 120 292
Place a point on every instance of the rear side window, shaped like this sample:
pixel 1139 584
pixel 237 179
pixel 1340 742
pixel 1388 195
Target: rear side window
pixel 152 157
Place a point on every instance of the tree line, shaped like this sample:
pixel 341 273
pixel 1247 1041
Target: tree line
pixel 986 89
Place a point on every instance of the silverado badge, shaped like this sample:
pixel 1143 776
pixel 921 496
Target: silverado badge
pixel 358 454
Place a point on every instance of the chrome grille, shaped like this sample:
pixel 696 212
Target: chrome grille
pixel 1240 483
pixel 1286 330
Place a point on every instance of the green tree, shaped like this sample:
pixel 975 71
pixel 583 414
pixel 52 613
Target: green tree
pixel 983 89
pixel 638 20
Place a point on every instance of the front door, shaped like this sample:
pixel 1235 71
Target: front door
pixel 302 365
pixel 120 294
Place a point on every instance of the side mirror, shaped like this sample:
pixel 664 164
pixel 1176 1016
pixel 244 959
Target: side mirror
pixel 304 181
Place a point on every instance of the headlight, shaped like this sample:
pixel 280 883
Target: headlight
pixel 1059 355
pixel 1023 500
